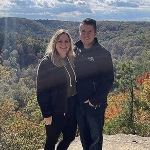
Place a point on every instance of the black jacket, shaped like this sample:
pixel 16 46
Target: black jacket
pixel 94 70
pixel 51 88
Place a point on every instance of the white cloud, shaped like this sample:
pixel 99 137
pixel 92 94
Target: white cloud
pixel 123 4
pixel 77 9
pixel 80 2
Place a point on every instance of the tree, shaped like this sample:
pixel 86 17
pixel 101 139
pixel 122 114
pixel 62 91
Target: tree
pixel 127 84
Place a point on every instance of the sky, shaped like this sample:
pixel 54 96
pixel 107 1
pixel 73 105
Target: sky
pixel 77 10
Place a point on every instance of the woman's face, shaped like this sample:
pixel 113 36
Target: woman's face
pixel 63 45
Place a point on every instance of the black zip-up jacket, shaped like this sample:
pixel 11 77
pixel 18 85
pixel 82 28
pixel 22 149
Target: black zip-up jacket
pixel 94 70
pixel 51 88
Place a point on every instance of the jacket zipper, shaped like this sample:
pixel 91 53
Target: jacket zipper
pixel 94 85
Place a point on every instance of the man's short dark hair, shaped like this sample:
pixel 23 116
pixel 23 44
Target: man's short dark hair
pixel 88 21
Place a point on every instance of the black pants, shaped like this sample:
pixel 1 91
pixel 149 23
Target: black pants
pixel 91 122
pixel 65 124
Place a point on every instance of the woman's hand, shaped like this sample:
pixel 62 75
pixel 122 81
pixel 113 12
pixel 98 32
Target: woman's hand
pixel 48 120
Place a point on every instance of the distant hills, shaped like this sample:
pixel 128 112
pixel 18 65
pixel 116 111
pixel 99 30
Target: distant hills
pixel 122 39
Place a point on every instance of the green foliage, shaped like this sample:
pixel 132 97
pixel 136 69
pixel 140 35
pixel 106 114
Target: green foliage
pixel 142 129
pixel 125 76
pixel 1 39
pixel 22 134
pixel 19 130
pixel 7 78
pixel 120 123
pixel 33 110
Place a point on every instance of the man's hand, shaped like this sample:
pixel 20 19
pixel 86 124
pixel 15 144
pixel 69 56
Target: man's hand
pixel 48 120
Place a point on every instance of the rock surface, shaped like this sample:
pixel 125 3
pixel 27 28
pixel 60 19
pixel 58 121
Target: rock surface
pixel 118 142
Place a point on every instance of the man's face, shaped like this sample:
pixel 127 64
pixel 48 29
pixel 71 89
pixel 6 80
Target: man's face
pixel 87 35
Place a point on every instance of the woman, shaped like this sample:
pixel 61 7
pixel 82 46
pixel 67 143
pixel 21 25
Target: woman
pixel 56 91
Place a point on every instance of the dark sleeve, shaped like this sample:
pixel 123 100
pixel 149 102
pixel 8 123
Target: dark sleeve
pixel 105 82
pixel 44 88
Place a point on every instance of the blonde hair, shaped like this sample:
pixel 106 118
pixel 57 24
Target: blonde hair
pixel 54 55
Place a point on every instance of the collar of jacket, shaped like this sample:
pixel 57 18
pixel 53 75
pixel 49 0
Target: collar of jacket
pixel 79 44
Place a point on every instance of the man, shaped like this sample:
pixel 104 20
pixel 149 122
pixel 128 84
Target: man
pixel 95 77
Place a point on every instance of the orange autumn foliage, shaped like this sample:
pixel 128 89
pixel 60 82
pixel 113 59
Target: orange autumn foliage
pixel 141 79
pixel 114 105
pixel 144 82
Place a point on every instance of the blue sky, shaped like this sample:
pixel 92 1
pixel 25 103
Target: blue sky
pixel 77 10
